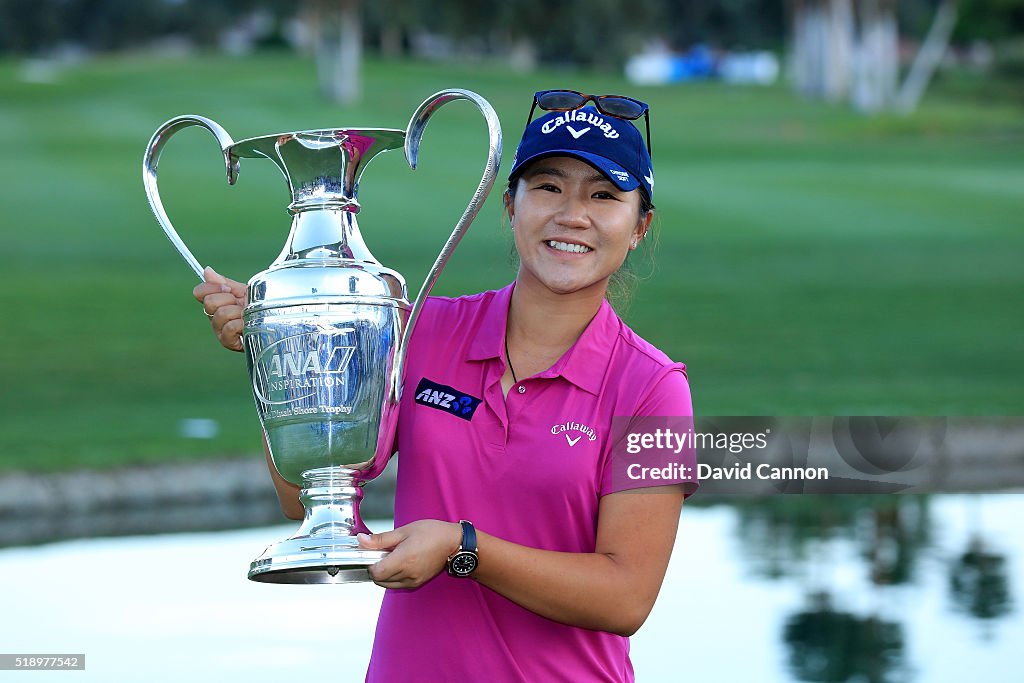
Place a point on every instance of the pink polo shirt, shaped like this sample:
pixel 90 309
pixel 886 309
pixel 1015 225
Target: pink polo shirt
pixel 530 468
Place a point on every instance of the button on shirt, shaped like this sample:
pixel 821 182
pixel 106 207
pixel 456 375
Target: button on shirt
pixel 529 468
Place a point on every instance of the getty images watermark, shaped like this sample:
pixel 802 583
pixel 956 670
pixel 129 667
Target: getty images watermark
pixel 654 451
pixel 664 440
pixel 840 454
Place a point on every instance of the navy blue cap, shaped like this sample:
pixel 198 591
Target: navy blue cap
pixel 611 145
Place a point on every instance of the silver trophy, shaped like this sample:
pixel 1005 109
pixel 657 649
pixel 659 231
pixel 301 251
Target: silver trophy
pixel 327 328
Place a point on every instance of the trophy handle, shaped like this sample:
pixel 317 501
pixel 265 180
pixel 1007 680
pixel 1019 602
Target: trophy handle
pixel 152 159
pixel 413 136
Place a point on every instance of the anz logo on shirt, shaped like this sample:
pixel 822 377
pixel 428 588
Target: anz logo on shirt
pixel 442 397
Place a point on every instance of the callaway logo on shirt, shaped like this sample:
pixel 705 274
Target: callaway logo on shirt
pixel 442 397
pixel 570 426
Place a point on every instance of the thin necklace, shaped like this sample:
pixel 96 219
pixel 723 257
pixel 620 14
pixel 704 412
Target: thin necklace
pixel 509 360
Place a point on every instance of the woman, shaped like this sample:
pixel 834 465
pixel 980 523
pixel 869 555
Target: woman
pixel 522 551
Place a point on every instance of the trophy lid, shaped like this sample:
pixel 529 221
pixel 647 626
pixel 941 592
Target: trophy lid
pixel 322 167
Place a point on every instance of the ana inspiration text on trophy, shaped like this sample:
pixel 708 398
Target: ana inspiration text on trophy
pixel 327 329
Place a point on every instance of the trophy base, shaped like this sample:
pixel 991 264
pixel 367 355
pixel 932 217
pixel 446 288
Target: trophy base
pixel 309 560
pixel 324 549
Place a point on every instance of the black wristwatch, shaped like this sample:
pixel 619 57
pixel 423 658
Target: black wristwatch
pixel 465 560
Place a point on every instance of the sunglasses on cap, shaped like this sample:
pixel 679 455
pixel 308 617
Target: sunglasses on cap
pixel 619 106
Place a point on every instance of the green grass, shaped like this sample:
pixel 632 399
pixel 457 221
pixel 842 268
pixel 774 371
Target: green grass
pixel 811 260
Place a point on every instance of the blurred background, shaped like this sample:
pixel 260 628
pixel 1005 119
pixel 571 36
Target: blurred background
pixel 840 186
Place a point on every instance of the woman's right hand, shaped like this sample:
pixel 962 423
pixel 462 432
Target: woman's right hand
pixel 223 300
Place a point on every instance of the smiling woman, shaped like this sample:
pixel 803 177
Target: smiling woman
pixel 564 203
pixel 521 552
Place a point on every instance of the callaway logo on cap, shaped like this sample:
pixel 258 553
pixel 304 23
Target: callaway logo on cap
pixel 611 145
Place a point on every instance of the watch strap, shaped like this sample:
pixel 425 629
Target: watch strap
pixel 468 536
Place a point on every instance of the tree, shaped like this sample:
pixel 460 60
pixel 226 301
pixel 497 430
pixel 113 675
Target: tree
pixel 336 27
pixel 849 50
pixel 928 58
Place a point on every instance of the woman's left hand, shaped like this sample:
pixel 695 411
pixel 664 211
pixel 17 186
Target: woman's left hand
pixel 419 552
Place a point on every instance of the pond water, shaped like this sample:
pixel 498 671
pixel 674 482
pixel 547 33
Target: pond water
pixel 794 588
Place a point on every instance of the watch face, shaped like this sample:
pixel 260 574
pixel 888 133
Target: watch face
pixel 464 563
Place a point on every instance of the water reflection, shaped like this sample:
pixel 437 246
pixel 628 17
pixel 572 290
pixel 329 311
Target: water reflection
pixel 793 588
pixel 898 529
pixel 828 645
pixel 788 537
pixel 978 582
pixel 780 534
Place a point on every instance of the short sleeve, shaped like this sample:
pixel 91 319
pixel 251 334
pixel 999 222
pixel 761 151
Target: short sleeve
pixel 654 446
